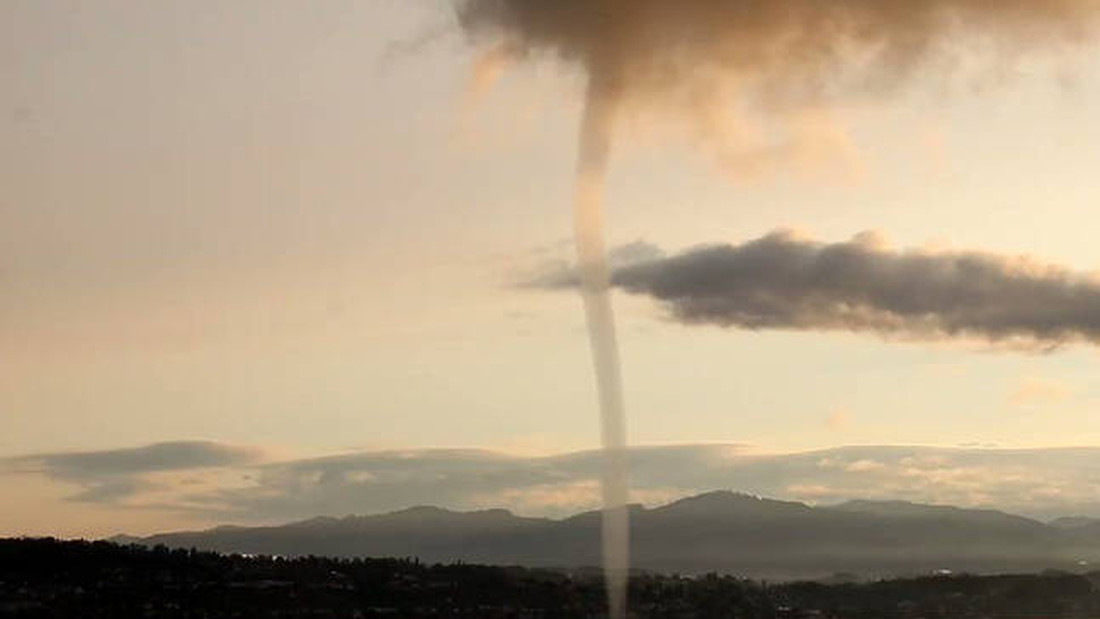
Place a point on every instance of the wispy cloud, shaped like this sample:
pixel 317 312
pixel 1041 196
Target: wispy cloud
pixel 838 419
pixel 111 476
pixel 1032 390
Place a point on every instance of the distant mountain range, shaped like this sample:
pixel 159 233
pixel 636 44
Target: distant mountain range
pixel 717 531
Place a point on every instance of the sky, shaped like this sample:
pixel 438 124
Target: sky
pixel 243 244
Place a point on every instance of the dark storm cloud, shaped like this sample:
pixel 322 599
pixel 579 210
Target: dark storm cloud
pixel 654 46
pixel 707 62
pixel 782 281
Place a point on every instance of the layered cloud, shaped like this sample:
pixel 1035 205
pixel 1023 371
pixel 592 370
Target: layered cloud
pixel 234 486
pixel 119 475
pixel 1037 482
pixel 174 456
pixel 784 281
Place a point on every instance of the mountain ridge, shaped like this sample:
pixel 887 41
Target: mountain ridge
pixel 721 531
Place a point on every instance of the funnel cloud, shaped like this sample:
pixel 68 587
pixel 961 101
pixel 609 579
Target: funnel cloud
pixel 692 59
pixel 649 48
pixel 751 80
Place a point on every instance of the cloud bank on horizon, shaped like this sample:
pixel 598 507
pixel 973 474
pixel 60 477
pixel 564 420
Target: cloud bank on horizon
pixel 118 475
pixel 786 281
pixel 1042 483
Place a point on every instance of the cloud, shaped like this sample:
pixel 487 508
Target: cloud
pixel 1034 391
pixel 723 67
pixel 559 272
pixel 861 466
pixel 784 281
pixel 1039 482
pixel 171 456
pixel 114 475
pixel 465 479
pixel 633 253
pixel 838 419
pixel 235 486
pixel 112 490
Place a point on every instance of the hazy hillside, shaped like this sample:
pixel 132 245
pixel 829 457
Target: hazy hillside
pixel 720 531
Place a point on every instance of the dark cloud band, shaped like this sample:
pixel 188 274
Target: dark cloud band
pixel 179 455
pixel 113 475
pixel 782 281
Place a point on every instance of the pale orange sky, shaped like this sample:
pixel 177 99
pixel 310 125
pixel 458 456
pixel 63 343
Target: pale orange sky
pixel 281 224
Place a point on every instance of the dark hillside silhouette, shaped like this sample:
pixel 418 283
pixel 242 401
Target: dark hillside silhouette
pixel 722 532
pixel 47 578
